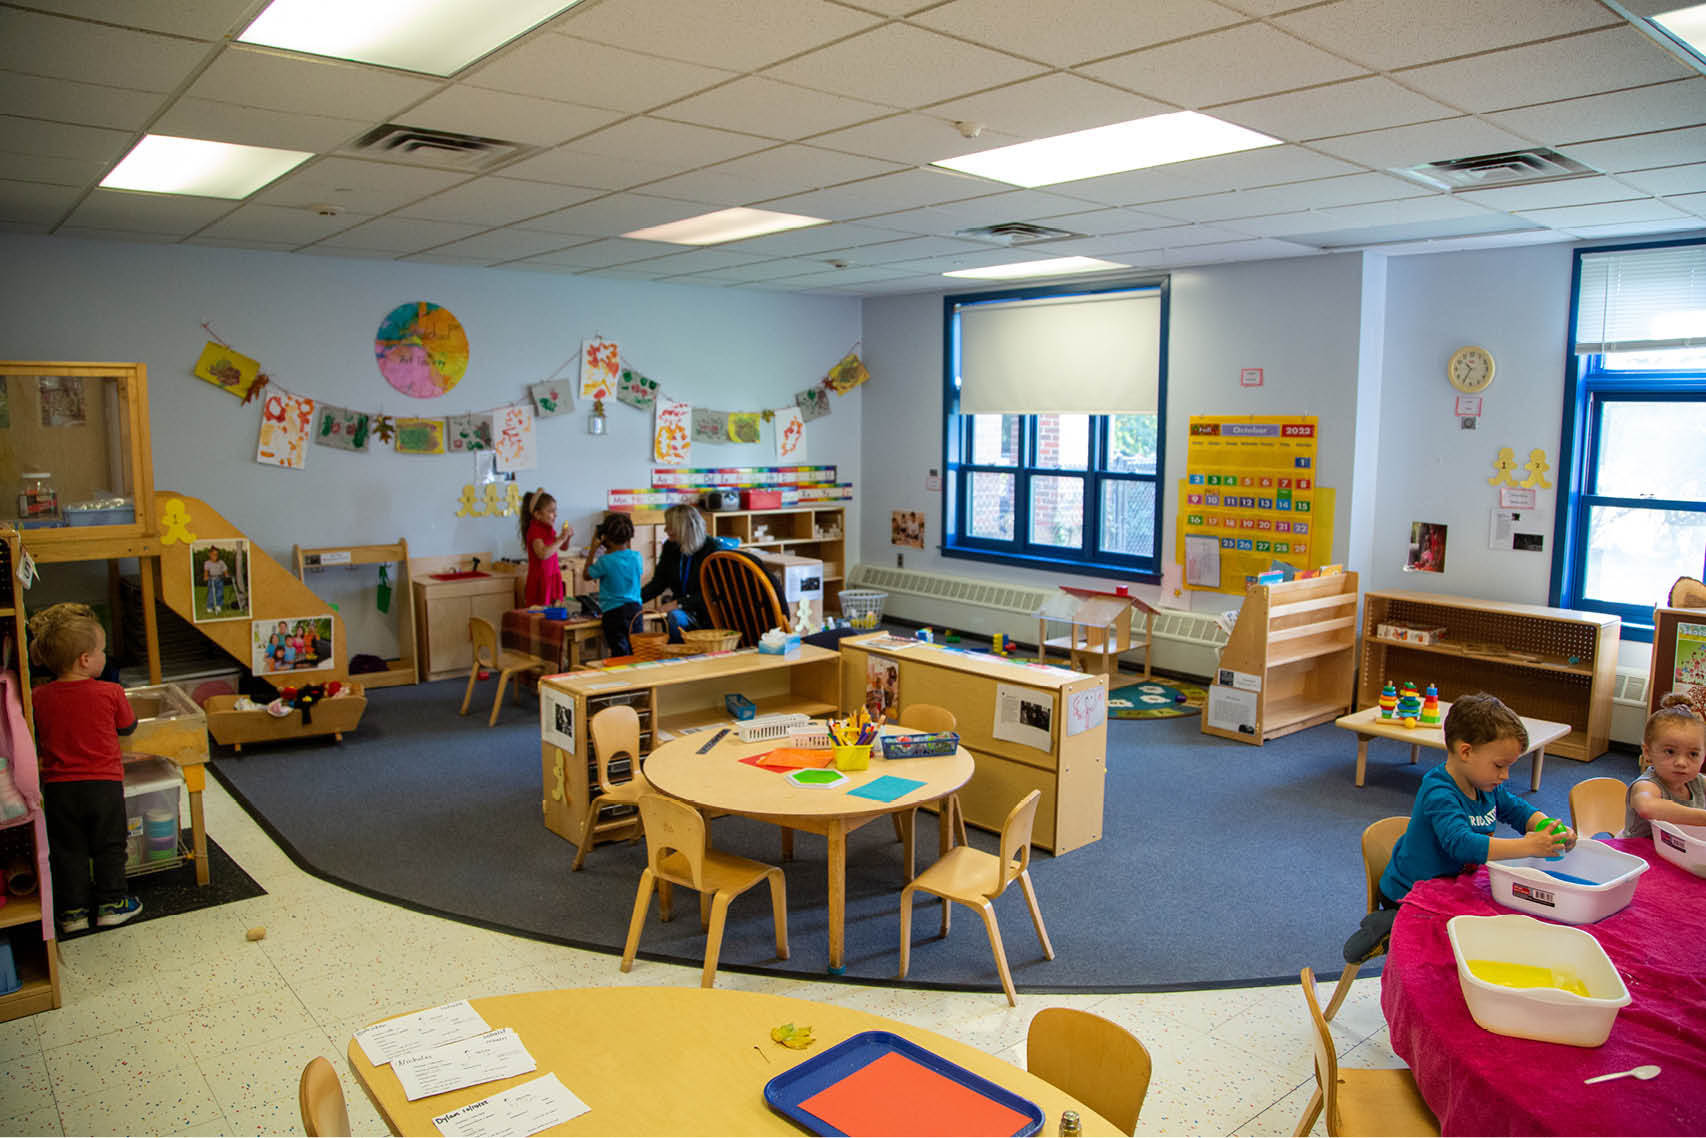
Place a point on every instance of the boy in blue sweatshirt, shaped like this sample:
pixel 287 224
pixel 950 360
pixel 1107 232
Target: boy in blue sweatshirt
pixel 618 571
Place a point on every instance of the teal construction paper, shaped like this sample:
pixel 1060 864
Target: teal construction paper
pixel 888 788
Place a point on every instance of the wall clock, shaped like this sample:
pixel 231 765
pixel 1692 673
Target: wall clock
pixel 1470 369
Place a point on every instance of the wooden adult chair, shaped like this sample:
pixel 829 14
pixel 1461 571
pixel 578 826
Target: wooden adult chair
pixel 1094 1060
pixel 678 853
pixel 1378 841
pixel 322 1100
pixel 740 596
pixel 489 657
pixel 1598 804
pixel 1359 1100
pixel 615 731
pixel 976 879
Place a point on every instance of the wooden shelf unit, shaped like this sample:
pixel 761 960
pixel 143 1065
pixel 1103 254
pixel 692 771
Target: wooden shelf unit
pixel 1298 638
pixel 402 670
pixel 1661 673
pixel 818 531
pixel 1557 664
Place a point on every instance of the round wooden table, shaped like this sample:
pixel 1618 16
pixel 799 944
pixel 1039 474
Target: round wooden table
pixel 718 780
pixel 679 1060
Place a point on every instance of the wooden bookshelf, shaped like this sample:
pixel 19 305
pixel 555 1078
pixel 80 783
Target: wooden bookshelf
pixel 1661 674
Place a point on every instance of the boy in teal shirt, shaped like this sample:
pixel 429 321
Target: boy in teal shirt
pixel 618 571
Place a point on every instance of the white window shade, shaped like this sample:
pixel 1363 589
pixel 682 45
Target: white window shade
pixel 1640 300
pixel 1097 354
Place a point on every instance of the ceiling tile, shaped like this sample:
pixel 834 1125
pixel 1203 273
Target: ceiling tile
pixel 697 261
pixel 742 35
pixel 356 185
pixel 765 270
pixel 1659 107
pixel 1584 64
pixel 1050 105
pixel 253 126
pixel 202 19
pixel 147 213
pixel 815 239
pixel 1292 196
pixel 601 254
pixel 794 169
pixel 1339 108
pixel 1104 222
pixel 1438 141
pixel 131 236
pixel 1237 63
pixel 35 202
pixel 400 235
pixel 1386 34
pixel 913 139
pixel 682 146
pixel 1157 183
pixel 617 214
pixel 497 201
pixel 1573 191
pixel 1682 224
pixel 44 168
pixel 566 166
pixel 1643 151
pixel 909 66
pixel 513 118
pixel 991 209
pixel 62 140
pixel 38 44
pixel 907 189
pixel 241 243
pixel 291 225
pixel 505 245
pixel 1067 32
pixel 764 106
pixel 434 257
pixel 592 74
pixel 307 85
pixel 1268 166
pixel 1693 203
pixel 1604 213
pixel 83 103
pixel 709 186
pixel 1669 180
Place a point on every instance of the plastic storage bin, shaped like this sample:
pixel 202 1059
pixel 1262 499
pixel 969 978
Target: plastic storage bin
pixel 862 608
pixel 1606 883
pixel 1551 1015
pixel 101 512
pixel 1682 846
pixel 151 788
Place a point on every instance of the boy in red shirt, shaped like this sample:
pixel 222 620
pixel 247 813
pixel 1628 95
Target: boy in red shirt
pixel 78 721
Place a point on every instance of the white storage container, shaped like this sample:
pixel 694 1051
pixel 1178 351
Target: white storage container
pixel 151 788
pixel 1682 846
pixel 1551 1015
pixel 1604 883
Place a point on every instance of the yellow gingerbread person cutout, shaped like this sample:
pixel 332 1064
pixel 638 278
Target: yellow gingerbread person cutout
pixel 1503 465
pixel 1537 469
pixel 175 523
pixel 469 504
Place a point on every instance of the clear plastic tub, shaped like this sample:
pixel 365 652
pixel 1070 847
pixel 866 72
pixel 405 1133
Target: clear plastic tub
pixel 1551 1015
pixel 1682 846
pixel 863 608
pixel 1604 883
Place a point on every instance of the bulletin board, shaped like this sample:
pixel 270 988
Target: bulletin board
pixel 1250 496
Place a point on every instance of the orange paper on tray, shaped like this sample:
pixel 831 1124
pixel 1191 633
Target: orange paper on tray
pixel 895 1095
pixel 789 759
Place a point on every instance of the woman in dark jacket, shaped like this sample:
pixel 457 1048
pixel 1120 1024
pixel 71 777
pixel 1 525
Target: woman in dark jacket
pixel 677 571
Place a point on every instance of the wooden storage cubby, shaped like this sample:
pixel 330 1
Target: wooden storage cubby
pixel 818 531
pixel 1661 676
pixel 1299 639
pixel 1557 664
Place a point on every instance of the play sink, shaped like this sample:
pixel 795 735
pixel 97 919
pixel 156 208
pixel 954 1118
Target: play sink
pixel 464 575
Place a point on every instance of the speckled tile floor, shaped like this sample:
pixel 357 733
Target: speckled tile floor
pixel 182 1026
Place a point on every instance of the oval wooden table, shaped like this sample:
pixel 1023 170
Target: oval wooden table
pixel 679 1060
pixel 718 780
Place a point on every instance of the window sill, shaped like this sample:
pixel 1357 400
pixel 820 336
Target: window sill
pixel 1055 564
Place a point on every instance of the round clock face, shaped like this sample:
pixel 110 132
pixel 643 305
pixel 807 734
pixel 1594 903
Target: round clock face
pixel 1470 369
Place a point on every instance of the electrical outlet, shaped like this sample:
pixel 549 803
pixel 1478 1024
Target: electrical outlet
pixel 900 561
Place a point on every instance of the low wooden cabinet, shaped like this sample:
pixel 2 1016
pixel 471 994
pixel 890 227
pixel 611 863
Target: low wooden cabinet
pixel 1666 671
pixel 817 531
pixel 442 609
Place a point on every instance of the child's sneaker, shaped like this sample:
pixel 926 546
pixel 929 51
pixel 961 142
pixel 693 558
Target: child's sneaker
pixel 74 921
pixel 117 912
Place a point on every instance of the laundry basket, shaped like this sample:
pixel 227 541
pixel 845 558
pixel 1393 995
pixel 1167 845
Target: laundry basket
pixel 862 608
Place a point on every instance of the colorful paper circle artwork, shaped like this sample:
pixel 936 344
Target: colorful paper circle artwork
pixel 421 349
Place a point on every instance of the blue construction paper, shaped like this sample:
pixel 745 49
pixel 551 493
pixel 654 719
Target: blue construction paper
pixel 888 788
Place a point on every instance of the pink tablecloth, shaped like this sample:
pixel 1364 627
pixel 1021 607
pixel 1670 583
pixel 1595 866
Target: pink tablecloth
pixel 1481 1083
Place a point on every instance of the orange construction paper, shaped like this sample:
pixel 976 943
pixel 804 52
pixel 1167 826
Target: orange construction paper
pixel 896 1095
pixel 789 759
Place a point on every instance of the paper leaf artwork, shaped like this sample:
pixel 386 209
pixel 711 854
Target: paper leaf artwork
pixel 341 428
pixel 601 363
pixel 550 398
pixel 670 442
pixel 743 426
pixel 813 403
pixel 636 390
pixel 512 438
pixel 847 374
pixel 421 349
pixel 468 432
pixel 385 427
pixel 420 436
pixel 230 371
pixel 286 422
pixel 710 426
pixel 790 435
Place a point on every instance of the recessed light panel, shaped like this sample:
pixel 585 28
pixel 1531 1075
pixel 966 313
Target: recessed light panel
pixel 163 164
pixel 1054 267
pixel 1154 141
pixel 1687 25
pixel 724 225
pixel 438 37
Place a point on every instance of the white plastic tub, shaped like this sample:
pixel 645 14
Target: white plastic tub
pixel 1682 846
pixel 1527 884
pixel 1551 1015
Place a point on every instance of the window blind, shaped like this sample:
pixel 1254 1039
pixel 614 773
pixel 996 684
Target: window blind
pixel 1641 300
pixel 1094 354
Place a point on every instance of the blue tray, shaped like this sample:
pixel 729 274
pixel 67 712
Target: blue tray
pixel 787 1091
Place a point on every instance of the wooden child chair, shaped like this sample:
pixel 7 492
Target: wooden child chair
pixel 933 719
pixel 615 731
pixel 678 853
pixel 1094 1060
pixel 489 657
pixel 324 1112
pixel 1359 1100
pixel 1598 804
pixel 1378 841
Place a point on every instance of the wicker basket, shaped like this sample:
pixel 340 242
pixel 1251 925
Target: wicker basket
pixel 646 645
pixel 698 641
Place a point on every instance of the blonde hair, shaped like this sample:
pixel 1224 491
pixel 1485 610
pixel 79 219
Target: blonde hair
pixel 1675 710
pixel 60 633
pixel 1482 718
pixel 530 501
pixel 685 526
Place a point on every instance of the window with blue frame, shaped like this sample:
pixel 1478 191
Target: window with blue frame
pixel 1054 412
pixel 1632 506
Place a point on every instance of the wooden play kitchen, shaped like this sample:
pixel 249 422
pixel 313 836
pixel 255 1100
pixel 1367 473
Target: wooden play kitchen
pixel 447 592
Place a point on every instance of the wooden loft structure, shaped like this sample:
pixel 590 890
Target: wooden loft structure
pixel 1099 629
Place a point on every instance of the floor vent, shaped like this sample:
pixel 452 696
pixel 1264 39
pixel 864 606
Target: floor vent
pixel 1015 233
pixel 440 149
pixel 1485 171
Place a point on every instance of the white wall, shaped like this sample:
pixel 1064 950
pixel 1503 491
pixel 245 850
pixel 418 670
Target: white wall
pixel 310 321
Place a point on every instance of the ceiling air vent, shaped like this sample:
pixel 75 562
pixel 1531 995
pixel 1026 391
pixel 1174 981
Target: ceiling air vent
pixel 440 149
pixel 1015 233
pixel 1511 168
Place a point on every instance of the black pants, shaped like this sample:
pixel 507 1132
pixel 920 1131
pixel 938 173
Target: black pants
pixel 617 622
pixel 86 824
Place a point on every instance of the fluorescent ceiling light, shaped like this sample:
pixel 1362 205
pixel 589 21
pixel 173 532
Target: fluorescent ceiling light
pixel 1687 25
pixel 1055 267
pixel 724 225
pixel 1154 141
pixel 439 37
pixel 162 164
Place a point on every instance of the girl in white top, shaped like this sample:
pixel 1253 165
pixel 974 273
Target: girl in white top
pixel 1671 789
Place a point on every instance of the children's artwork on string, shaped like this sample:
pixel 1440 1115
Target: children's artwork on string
pixel 512 438
pixel 636 390
pixel 813 403
pixel 847 374
pixel 468 432
pixel 62 402
pixel 286 422
pixel 219 580
pixel 710 426
pixel 743 426
pixel 790 435
pixel 882 687
pixel 341 428
pixel 385 427
pixel 420 436
pixel 550 398
pixel 671 444
pixel 231 372
pixel 601 363
pixel 1427 548
pixel 294 644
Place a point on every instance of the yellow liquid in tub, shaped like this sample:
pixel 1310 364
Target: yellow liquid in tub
pixel 1509 975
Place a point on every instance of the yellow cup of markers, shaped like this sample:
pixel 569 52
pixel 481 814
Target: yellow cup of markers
pixel 851 758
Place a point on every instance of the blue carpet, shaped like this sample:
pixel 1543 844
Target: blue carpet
pixel 1222 863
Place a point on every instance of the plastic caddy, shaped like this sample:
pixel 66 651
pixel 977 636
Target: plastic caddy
pixel 1682 846
pixel 1550 1015
pixel 1528 884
